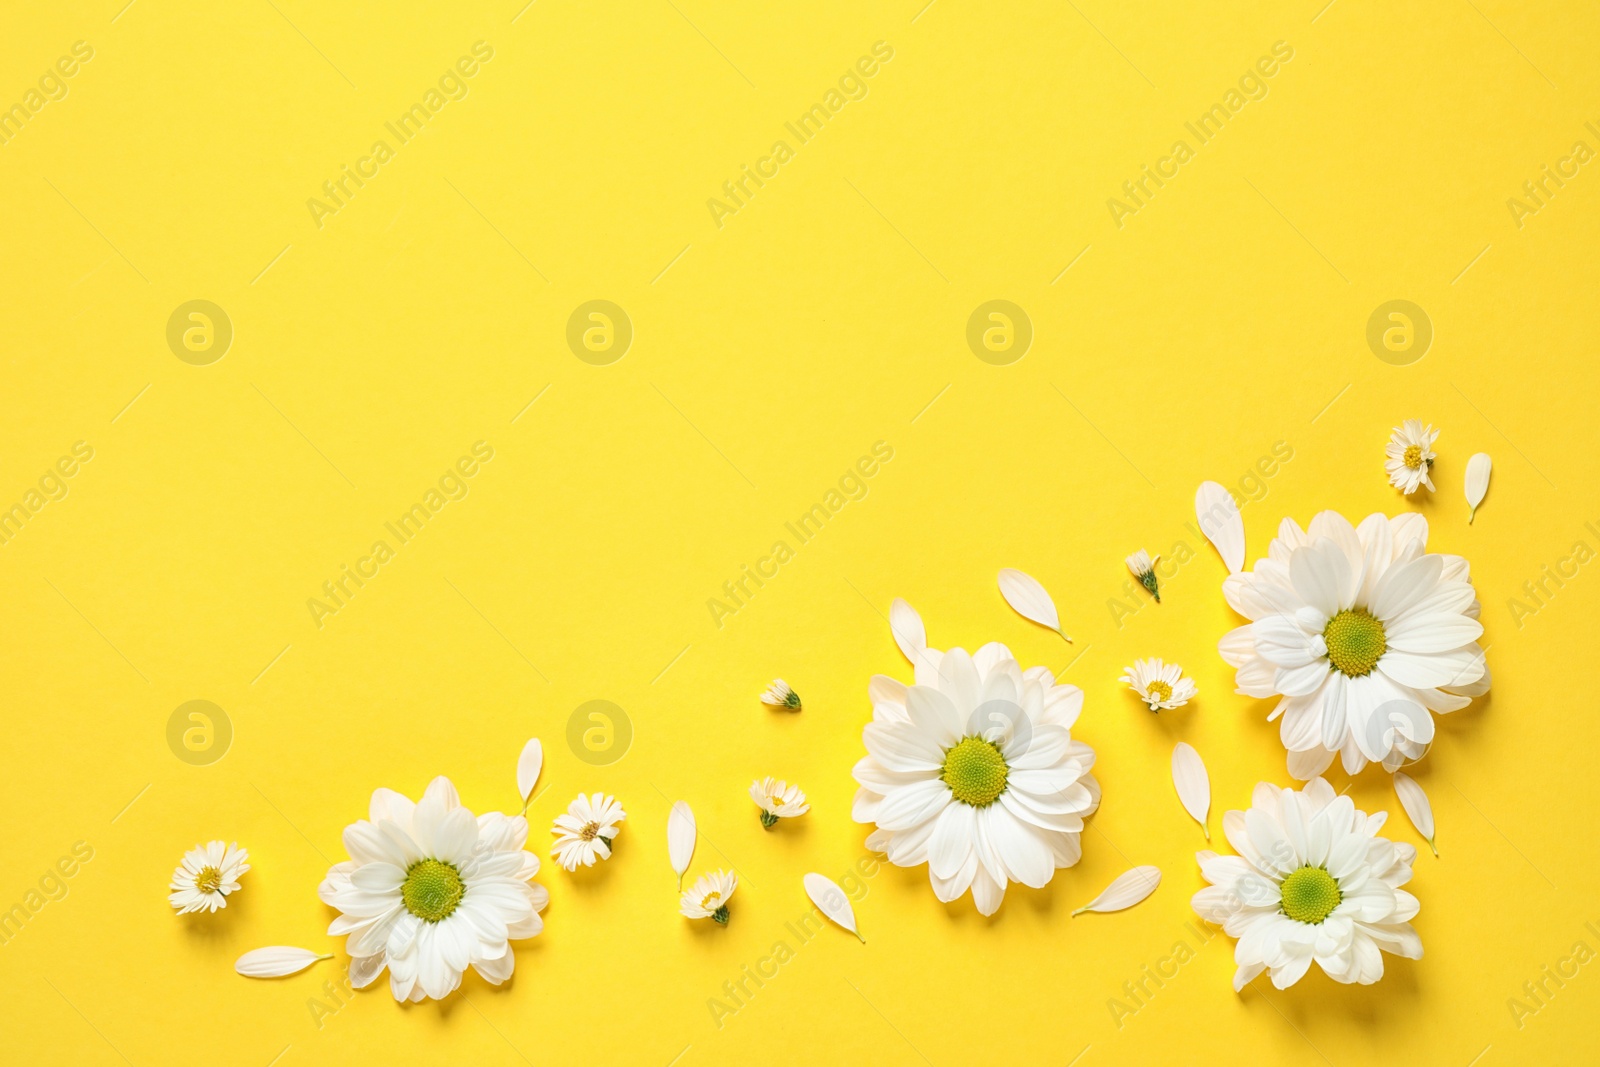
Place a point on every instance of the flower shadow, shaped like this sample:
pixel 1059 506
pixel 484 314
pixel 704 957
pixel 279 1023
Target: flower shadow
pixel 1389 1001
pixel 216 928
pixel 589 877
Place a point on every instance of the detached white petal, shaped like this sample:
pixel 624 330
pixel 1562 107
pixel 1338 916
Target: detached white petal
pixel 1194 785
pixel 529 764
pixel 276 961
pixel 1029 599
pixel 680 838
pixel 832 902
pixel 1129 888
pixel 1220 521
pixel 906 626
pixel 1418 810
pixel 1477 484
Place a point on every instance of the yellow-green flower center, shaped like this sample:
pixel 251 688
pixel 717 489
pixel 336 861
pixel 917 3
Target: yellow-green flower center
pixel 432 890
pixel 209 880
pixel 975 771
pixel 589 832
pixel 1159 691
pixel 1309 895
pixel 1355 642
pixel 1414 456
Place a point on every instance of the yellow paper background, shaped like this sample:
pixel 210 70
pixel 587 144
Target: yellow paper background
pixel 769 354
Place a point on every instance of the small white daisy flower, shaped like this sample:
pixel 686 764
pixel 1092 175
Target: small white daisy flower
pixel 708 897
pixel 779 695
pixel 207 875
pixel 1144 569
pixel 1411 456
pixel 777 800
pixel 587 830
pixel 1160 685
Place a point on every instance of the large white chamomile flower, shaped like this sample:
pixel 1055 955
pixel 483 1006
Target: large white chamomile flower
pixel 430 890
pixel 1361 633
pixel 1312 883
pixel 973 771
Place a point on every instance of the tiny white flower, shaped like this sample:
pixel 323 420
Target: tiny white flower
pixel 587 830
pixel 1160 685
pixel 1144 569
pixel 779 695
pixel 708 897
pixel 1411 456
pixel 777 800
pixel 206 876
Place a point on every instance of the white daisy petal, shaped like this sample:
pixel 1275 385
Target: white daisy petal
pixel 1221 522
pixel 1417 808
pixel 1437 632
pixel 1193 784
pixel 680 838
pixel 1320 573
pixel 1404 585
pixel 1029 599
pixel 1128 889
pixel 909 633
pixel 832 902
pixel 935 715
pixel 1477 482
pixel 899 747
pixel 276 961
pixel 529 764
